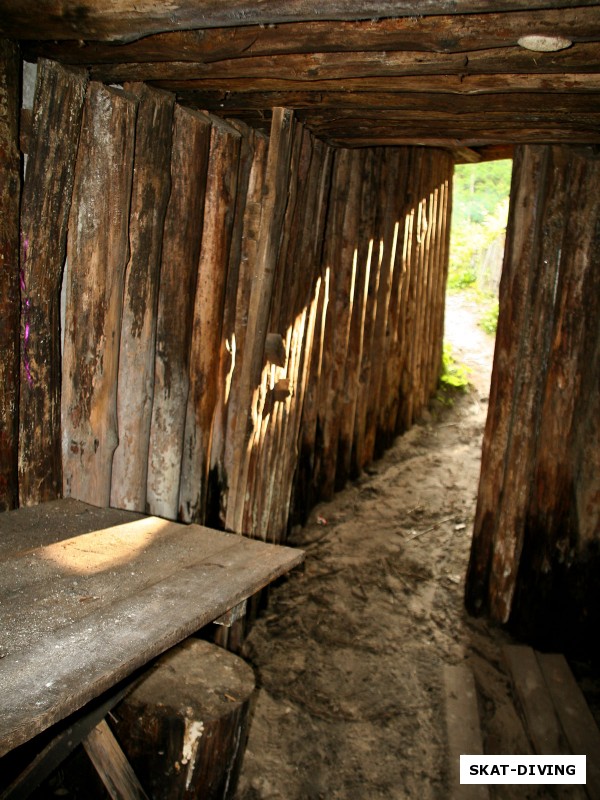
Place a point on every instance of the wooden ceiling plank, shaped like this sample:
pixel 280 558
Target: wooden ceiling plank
pixel 128 20
pixel 306 102
pixel 441 34
pixel 453 84
pixel 313 67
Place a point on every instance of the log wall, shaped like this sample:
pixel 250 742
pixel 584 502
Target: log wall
pixel 536 546
pixel 250 319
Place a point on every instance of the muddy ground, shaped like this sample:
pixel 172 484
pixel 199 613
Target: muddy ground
pixel 349 655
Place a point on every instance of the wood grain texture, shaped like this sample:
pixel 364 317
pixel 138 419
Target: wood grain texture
pixel 111 764
pixel 207 325
pixel 271 222
pixel 442 34
pixel 184 726
pixel 106 602
pixel 10 189
pixel 150 195
pixel 98 251
pixel 46 203
pixel 129 20
pixel 540 445
pixel 182 239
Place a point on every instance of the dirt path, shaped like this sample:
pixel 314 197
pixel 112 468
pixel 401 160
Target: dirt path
pixel 349 656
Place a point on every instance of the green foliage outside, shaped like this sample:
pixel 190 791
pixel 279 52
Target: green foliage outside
pixel 454 377
pixel 479 214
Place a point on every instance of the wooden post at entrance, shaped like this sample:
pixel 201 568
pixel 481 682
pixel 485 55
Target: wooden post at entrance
pixel 536 544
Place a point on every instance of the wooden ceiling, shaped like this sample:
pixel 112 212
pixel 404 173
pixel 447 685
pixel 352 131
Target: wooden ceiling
pixel 447 73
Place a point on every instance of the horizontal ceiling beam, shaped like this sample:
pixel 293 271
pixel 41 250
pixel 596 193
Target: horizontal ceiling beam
pixel 443 34
pixel 127 20
pixel 321 67
pixel 305 102
pixel 451 84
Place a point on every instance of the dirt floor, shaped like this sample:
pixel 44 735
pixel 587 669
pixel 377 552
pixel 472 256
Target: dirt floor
pixel 349 655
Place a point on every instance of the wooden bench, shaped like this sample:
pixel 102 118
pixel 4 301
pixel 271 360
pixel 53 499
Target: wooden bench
pixel 91 595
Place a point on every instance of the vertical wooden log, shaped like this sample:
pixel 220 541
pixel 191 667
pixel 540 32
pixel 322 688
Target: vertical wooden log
pixel 182 238
pixel 150 194
pixel 205 347
pixel 407 341
pixel 535 548
pixel 390 230
pixel 287 317
pixel 98 251
pixel 273 211
pixel 236 413
pixel 365 245
pixel 47 190
pixel 310 253
pixel 359 459
pixel 10 189
pixel 342 257
pixel 217 482
pixel 390 379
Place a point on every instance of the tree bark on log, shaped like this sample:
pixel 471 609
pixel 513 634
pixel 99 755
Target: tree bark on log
pixel 10 190
pixel 149 198
pixel 98 251
pixel 182 239
pixel 534 556
pixel 46 202
pixel 205 346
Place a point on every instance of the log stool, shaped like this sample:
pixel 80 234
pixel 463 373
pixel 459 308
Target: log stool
pixel 184 727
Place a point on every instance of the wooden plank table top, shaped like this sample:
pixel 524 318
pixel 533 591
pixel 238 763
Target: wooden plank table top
pixel 88 595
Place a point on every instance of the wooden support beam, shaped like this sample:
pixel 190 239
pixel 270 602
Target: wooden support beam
pixel 10 190
pixel 322 68
pixel 98 251
pixel 454 84
pixel 207 325
pixel 129 20
pixel 181 243
pixel 150 195
pixel 112 765
pixel 442 34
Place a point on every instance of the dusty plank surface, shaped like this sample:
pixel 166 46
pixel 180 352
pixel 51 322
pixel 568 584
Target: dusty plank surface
pixel 542 722
pixel 574 714
pixel 105 602
pixel 462 725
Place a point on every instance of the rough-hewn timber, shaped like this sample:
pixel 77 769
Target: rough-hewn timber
pixel 150 195
pixel 181 243
pixel 10 186
pixel 46 202
pixel 98 252
pixel 537 526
